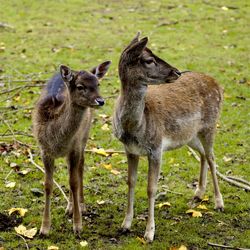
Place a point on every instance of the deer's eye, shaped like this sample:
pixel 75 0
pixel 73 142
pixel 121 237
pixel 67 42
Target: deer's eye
pixel 150 61
pixel 81 87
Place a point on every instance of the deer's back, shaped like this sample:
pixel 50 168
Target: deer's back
pixel 51 99
pixel 184 107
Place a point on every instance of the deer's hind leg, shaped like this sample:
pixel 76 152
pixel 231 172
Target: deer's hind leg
pixel 48 162
pixel 201 189
pixel 207 142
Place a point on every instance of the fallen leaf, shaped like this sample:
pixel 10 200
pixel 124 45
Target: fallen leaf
pixel 205 199
pixel 53 248
pixel 13 164
pixel 37 192
pixel 107 166
pixel 100 151
pixel 115 172
pixel 29 233
pixel 83 243
pixel 103 116
pixel 10 184
pixel 105 127
pixel 194 213
pixel 114 154
pixel 203 207
pixel 24 172
pixel 227 159
pixel 141 240
pixel 100 202
pixel 225 8
pixel 182 247
pixel 171 160
pixel 21 211
pixel 164 204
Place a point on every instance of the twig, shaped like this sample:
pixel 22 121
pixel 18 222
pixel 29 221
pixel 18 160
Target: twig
pixel 27 246
pixel 10 128
pixel 228 247
pixel 232 180
pixel 7 176
pixel 41 169
pixel 16 133
pixel 239 179
pixel 165 192
pixel 22 87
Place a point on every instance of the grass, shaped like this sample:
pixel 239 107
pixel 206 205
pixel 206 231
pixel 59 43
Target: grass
pixel 206 36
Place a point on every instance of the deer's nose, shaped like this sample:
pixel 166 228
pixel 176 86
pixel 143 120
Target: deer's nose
pixel 100 101
pixel 178 73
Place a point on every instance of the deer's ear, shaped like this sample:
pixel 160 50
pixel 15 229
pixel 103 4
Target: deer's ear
pixel 136 49
pixel 66 73
pixel 101 69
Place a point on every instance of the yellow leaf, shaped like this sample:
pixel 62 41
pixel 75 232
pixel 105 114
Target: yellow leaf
pixel 194 213
pixel 84 243
pixel 17 98
pixel 103 116
pixel 53 248
pixel 10 184
pixel 171 160
pixel 24 172
pixel 182 247
pixel 29 233
pixel 164 204
pixel 141 240
pixel 114 154
pixel 100 151
pixel 107 166
pixel 115 172
pixel 100 202
pixel 105 127
pixel 227 159
pixel 205 199
pixel 224 8
pixel 1 248
pixel 202 207
pixel 21 211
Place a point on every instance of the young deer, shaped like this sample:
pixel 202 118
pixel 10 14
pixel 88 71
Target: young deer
pixel 151 119
pixel 61 121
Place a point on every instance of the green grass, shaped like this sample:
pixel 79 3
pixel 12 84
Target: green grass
pixel 206 36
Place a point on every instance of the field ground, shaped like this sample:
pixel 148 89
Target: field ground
pixel 206 36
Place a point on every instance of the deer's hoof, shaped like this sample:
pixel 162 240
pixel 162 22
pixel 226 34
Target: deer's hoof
pixel 219 209
pixel 44 231
pixel 77 228
pixel 149 236
pixel 219 204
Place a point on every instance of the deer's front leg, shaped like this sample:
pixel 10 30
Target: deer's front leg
pixel 132 176
pixel 73 165
pixel 69 209
pixel 48 187
pixel 153 176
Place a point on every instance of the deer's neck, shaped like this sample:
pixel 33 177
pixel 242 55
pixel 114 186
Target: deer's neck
pixel 132 104
pixel 68 121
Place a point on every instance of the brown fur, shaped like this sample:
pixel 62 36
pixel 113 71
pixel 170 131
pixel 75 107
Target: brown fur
pixel 151 119
pixel 61 122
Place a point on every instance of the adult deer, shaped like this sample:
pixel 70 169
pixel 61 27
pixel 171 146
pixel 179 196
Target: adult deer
pixel 177 110
pixel 61 121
